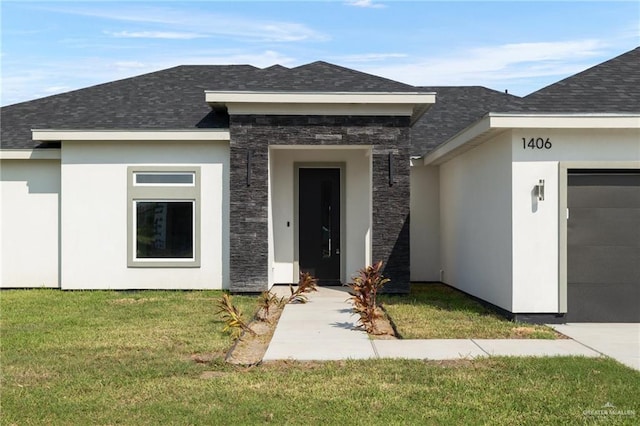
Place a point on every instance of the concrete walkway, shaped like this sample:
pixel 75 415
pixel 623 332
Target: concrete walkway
pixel 620 341
pixel 324 329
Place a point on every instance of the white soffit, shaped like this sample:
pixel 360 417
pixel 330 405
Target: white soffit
pixel 412 104
pixel 493 124
pixel 130 135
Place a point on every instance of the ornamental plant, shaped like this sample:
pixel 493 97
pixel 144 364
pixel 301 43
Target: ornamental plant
pixel 306 284
pixel 265 301
pixel 232 317
pixel 364 292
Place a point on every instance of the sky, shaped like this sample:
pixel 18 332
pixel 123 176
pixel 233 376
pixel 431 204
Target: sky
pixel 52 47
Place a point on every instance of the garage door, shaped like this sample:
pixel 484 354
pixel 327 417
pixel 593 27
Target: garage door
pixel 603 246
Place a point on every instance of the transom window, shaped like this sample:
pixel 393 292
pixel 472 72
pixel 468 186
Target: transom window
pixel 164 217
pixel 156 178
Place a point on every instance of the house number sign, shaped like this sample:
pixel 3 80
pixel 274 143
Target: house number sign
pixel 536 143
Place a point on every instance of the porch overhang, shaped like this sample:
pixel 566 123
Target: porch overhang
pixel 410 104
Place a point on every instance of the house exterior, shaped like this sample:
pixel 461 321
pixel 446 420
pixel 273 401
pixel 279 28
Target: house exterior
pixel 239 178
pixel 538 197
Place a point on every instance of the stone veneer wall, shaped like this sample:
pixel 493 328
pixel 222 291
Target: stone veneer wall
pixel 249 204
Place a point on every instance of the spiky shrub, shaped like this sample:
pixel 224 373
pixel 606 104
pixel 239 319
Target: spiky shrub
pixel 364 292
pixel 232 317
pixel 266 301
pixel 306 284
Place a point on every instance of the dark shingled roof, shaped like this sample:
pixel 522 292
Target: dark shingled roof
pixel 456 108
pixel 173 98
pixel 610 87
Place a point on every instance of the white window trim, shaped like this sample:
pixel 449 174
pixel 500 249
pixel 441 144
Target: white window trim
pixel 160 193
pixel 134 241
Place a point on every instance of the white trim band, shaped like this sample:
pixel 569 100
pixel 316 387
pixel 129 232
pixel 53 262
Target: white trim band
pixel 30 154
pixel 130 135
pixel 411 104
pixel 494 123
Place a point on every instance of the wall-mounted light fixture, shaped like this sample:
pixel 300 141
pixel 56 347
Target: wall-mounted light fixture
pixel 391 171
pixel 538 190
pixel 249 155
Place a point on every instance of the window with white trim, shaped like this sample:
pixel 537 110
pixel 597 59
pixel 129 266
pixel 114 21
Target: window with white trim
pixel 164 217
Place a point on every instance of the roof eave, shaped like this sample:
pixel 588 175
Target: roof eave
pixel 493 124
pixel 30 154
pixel 412 104
pixel 50 135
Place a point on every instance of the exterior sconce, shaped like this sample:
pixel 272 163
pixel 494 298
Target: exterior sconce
pixel 538 190
pixel 249 155
pixel 391 171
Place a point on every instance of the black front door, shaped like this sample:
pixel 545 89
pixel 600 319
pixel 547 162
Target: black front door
pixel 319 223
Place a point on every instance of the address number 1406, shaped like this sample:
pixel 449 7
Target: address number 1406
pixel 536 143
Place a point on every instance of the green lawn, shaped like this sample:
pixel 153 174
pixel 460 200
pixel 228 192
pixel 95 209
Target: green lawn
pixel 436 311
pixel 77 358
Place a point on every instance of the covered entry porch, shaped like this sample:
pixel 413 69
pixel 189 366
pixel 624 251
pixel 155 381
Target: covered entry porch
pixel 318 182
pixel 319 212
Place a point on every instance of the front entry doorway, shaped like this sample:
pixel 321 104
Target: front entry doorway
pixel 319 223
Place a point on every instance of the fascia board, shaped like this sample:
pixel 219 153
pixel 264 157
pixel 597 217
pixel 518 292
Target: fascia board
pixel 494 123
pixel 318 109
pixel 411 98
pixel 412 104
pixel 480 127
pixel 130 135
pixel 30 154
pixel 565 121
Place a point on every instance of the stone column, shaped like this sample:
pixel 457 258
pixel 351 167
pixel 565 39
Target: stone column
pixel 249 180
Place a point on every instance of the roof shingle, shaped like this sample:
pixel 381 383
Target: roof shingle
pixel 610 87
pixel 456 108
pixel 173 98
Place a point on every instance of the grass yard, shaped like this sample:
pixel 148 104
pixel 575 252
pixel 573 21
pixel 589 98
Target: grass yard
pixel 102 357
pixel 436 311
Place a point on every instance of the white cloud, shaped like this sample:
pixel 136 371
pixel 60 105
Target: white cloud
pixel 19 86
pixel 260 59
pixel 365 3
pixel 56 89
pixel 129 65
pixel 520 67
pixel 155 34
pixel 175 21
pixel 370 57
pixel 491 65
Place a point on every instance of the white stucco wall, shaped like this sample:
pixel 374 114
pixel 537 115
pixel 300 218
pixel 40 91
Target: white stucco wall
pixel 536 224
pixel 535 238
pixel 29 194
pixel 425 223
pixel 580 145
pixel 94 214
pixel 356 234
pixel 475 219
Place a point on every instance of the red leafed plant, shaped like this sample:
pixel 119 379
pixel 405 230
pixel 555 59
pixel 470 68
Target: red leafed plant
pixel 306 284
pixel 265 301
pixel 364 291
